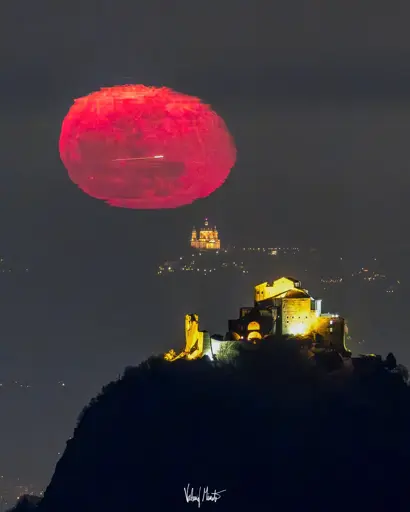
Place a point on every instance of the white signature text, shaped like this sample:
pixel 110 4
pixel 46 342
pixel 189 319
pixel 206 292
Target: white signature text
pixel 202 495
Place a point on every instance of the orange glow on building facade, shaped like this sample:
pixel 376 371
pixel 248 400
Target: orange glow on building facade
pixel 208 239
pixel 282 309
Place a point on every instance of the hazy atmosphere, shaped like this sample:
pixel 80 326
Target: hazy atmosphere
pixel 317 99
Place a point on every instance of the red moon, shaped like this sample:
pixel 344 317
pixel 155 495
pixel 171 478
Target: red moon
pixel 142 147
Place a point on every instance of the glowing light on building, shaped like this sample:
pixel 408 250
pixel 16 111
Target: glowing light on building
pixel 298 329
pixel 281 309
pixel 208 238
pixel 254 335
pixel 215 348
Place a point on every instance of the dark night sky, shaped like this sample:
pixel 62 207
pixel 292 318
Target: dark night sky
pixel 317 97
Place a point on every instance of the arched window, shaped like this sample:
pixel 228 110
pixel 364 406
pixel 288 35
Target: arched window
pixel 254 335
pixel 254 326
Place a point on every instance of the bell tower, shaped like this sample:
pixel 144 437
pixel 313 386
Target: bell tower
pixel 194 238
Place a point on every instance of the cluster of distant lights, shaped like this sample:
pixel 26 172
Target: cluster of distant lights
pixel 12 490
pixel 366 275
pixel 273 251
pixel 200 253
pixel 392 288
pixel 15 383
pixel 4 270
pixel 331 280
pixel 23 385
pixel 9 270
pixel 193 268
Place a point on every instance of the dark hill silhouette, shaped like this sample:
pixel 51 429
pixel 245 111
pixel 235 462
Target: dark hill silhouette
pixel 275 431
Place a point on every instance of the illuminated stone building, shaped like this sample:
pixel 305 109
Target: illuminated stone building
pixel 297 312
pixel 281 309
pixel 208 239
pixel 284 308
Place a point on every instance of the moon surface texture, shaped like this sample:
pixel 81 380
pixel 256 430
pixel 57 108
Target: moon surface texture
pixel 141 147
